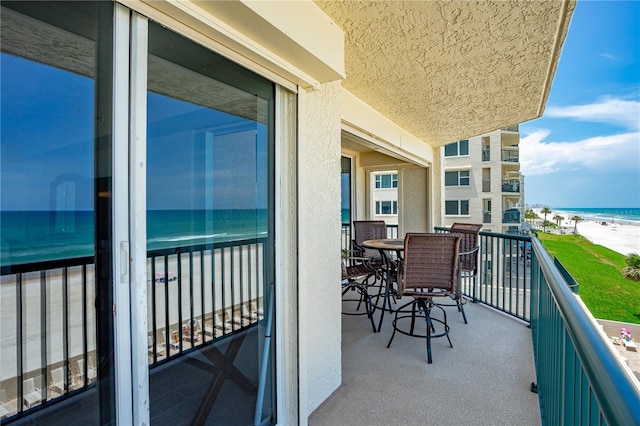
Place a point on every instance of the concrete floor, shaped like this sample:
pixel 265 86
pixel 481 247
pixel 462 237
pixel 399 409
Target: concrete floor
pixel 484 379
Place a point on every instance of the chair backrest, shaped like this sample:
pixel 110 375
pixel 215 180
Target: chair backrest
pixel 368 230
pixel 470 240
pixel 430 262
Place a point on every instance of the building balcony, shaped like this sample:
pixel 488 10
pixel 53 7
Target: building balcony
pixel 486 154
pixel 511 185
pixel 511 216
pixel 528 323
pixel 510 155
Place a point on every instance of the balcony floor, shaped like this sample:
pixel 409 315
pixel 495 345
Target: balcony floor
pixel 484 379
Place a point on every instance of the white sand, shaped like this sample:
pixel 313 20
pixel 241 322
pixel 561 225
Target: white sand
pixel 622 237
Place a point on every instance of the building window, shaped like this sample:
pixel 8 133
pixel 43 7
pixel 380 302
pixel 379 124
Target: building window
pixel 456 207
pixel 386 207
pixel 387 181
pixel 457 148
pixel 457 178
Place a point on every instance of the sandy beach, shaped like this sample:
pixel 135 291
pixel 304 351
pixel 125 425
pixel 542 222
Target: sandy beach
pixel 622 236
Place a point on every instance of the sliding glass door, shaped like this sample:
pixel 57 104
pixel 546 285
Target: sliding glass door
pixel 56 175
pixel 209 236
pixel 73 298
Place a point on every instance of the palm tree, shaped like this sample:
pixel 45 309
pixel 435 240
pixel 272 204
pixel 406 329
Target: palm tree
pixel 575 220
pixel 558 219
pixel 545 211
pixel 530 214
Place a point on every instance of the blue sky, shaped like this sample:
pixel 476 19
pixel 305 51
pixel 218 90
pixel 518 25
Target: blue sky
pixel 585 150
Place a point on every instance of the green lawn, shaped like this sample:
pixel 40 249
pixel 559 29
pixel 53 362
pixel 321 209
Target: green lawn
pixel 604 290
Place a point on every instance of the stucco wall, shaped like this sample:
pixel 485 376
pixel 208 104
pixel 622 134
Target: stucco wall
pixel 413 200
pixel 319 303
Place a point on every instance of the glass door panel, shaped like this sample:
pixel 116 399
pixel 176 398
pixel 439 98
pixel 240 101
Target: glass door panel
pixel 55 211
pixel 209 236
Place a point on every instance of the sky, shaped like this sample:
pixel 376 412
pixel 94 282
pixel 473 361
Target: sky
pixel 585 149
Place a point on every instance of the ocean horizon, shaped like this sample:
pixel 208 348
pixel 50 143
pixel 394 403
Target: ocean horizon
pixel 38 236
pixel 607 214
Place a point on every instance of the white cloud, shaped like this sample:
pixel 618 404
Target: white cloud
pixel 611 111
pixel 608 56
pixel 615 152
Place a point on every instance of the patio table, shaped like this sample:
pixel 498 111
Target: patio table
pixel 385 246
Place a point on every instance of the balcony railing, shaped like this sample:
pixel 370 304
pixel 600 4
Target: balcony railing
pixel 196 294
pixel 510 185
pixel 579 380
pixel 486 185
pixel 486 154
pixel 510 155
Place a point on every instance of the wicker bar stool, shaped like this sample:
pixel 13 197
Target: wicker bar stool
pixel 358 276
pixel 468 261
pixel 429 270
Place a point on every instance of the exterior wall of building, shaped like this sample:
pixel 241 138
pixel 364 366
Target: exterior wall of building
pixel 319 241
pixel 487 173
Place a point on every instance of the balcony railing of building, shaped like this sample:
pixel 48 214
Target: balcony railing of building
pixel 196 295
pixel 486 185
pixel 486 217
pixel 510 155
pixel 486 154
pixel 579 379
pixel 511 216
pixel 510 185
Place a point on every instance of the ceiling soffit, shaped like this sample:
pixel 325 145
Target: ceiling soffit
pixel 450 70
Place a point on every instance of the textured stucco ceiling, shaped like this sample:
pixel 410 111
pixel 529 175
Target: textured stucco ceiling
pixel 447 70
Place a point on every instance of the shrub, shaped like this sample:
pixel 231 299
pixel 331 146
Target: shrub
pixel 632 270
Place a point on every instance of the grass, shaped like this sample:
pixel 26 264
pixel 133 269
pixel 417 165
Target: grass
pixel 597 269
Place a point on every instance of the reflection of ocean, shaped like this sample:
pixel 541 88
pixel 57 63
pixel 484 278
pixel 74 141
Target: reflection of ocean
pixel 607 214
pixel 35 236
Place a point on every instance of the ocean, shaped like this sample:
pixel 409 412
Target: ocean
pixel 606 214
pixel 36 236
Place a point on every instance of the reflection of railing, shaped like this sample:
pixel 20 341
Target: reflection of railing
pixel 49 351
pixel 195 295
pixel 579 380
pixel 201 293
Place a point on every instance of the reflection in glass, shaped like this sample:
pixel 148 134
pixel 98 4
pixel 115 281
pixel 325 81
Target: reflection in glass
pixel 47 215
pixel 209 139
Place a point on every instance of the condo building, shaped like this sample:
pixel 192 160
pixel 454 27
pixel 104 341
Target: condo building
pixel 483 183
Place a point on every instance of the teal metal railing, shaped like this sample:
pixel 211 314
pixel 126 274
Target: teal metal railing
pixel 580 380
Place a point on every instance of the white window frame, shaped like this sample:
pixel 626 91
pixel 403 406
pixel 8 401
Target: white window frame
pixel 459 178
pixel 459 208
pixel 394 207
pixel 457 144
pixel 378 180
